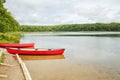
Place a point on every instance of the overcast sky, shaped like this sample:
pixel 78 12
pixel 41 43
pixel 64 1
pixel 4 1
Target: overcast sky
pixel 52 12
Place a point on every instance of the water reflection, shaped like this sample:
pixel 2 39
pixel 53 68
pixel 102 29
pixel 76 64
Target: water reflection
pixel 41 57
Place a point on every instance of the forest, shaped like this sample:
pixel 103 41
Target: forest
pixel 72 27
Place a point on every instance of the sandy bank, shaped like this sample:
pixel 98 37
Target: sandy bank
pixel 13 72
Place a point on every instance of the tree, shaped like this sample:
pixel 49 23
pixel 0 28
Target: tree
pixel 7 22
pixel 2 1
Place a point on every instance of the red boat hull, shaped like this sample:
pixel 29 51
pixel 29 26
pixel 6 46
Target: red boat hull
pixel 27 45
pixel 35 52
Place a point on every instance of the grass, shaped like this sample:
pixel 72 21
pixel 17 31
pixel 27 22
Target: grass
pixel 9 37
pixel 2 57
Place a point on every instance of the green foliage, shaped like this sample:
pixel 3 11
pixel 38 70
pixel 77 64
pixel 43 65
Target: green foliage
pixel 73 27
pixel 2 57
pixel 7 22
pixel 2 1
pixel 9 38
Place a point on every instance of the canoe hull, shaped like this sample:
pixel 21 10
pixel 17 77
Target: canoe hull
pixel 27 45
pixel 36 52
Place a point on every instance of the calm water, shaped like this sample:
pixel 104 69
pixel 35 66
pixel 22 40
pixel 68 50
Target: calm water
pixel 94 50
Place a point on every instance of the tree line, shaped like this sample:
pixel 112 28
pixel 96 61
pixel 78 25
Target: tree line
pixel 73 27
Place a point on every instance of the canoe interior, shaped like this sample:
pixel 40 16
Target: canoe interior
pixel 33 49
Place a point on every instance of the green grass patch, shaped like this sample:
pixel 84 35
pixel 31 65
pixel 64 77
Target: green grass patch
pixel 2 57
pixel 9 38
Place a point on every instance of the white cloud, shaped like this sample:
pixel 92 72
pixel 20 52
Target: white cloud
pixel 64 11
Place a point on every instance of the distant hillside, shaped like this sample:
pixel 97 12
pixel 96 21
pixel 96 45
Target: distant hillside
pixel 7 22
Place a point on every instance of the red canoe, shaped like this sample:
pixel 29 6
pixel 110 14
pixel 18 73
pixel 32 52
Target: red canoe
pixel 27 45
pixel 29 51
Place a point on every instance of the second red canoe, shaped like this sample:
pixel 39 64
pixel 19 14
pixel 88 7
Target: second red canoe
pixel 25 45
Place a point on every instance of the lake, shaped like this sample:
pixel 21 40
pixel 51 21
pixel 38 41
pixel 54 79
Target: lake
pixel 87 56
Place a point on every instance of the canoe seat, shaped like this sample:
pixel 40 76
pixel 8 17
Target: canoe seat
pixel 36 49
pixel 49 49
pixel 18 48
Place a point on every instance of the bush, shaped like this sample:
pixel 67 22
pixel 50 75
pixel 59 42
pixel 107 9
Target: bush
pixel 9 38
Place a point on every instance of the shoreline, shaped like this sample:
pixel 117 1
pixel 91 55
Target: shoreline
pixel 11 71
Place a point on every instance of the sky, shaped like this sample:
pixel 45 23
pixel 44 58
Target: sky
pixel 54 12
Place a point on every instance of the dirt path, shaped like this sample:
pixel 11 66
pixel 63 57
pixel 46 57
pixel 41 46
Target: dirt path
pixel 13 72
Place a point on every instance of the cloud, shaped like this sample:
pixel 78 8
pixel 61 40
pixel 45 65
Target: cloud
pixel 47 12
